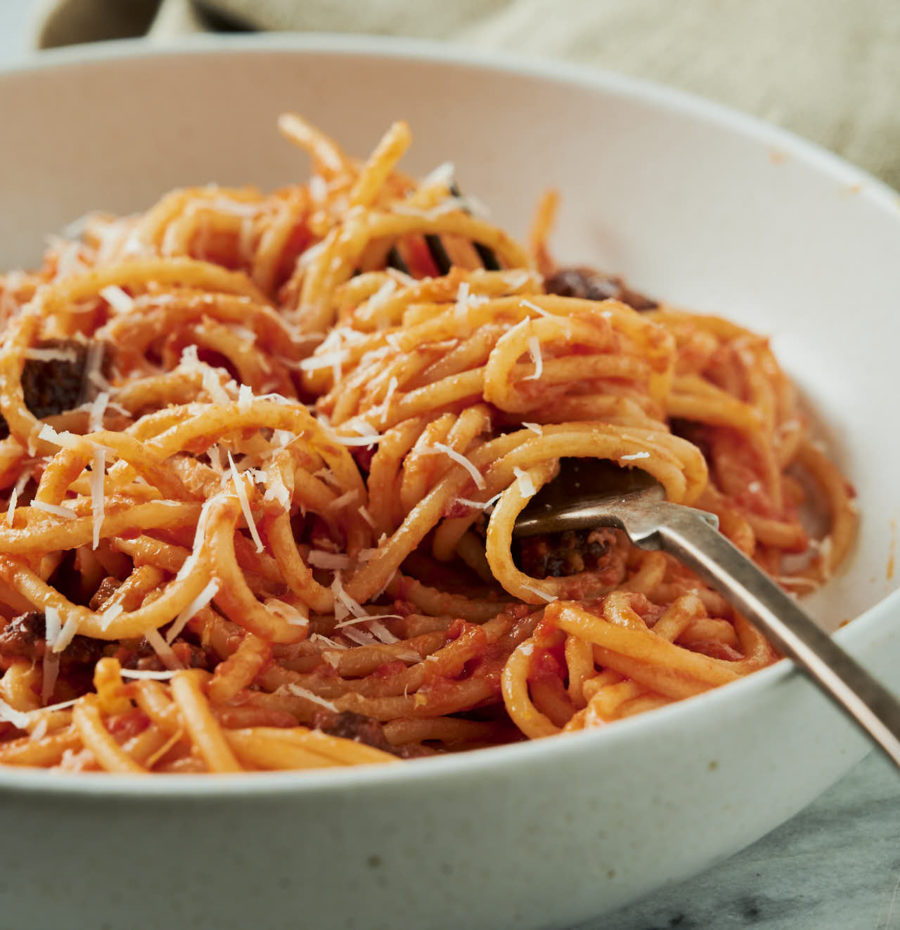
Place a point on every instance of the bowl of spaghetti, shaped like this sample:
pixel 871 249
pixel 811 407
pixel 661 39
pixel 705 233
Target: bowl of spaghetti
pixel 270 409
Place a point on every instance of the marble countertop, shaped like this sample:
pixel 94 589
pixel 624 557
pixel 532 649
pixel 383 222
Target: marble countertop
pixel 836 866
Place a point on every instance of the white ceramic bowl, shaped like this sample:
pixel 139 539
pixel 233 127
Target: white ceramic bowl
pixel 690 201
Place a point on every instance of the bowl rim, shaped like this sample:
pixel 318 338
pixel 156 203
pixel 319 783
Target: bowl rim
pixel 501 760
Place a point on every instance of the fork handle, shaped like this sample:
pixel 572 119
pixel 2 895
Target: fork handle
pixel 686 535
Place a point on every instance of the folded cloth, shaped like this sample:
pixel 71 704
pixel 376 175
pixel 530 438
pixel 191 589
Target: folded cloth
pixel 826 69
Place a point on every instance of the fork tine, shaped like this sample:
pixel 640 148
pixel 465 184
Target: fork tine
pixel 438 253
pixel 395 260
pixel 486 254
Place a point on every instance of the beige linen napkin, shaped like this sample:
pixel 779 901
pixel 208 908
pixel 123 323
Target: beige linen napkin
pixel 827 69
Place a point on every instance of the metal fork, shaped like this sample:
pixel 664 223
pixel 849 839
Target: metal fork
pixel 589 493
pixel 438 253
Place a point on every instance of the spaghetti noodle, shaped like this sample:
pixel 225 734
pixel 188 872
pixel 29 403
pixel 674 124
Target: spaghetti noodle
pixel 263 458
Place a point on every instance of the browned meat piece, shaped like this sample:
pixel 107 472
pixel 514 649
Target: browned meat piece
pixel 350 725
pixel 558 555
pixel 24 638
pixel 107 589
pixel 139 654
pixel 588 284
pixel 53 386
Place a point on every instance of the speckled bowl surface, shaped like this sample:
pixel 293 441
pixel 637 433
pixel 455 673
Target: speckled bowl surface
pixel 708 208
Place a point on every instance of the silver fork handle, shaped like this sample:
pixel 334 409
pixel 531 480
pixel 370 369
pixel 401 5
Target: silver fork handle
pixel 687 535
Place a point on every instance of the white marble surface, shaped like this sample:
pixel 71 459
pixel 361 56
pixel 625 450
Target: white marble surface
pixel 836 866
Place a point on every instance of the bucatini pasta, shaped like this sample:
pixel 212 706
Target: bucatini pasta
pixel 262 459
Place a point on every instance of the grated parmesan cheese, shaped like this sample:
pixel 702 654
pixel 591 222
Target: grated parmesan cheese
pixel 367 618
pixel 325 360
pixel 343 603
pixel 64 439
pixel 302 692
pixel 538 592
pixel 475 206
pixel 321 638
pixel 393 384
pixel 67 634
pixel 360 637
pixel 241 492
pixel 163 650
pixel 796 581
pixel 68 257
pixel 55 509
pixel 18 488
pixel 276 489
pixel 344 499
pixel 318 189
pixel 365 429
pixel 28 716
pixel 370 439
pixel 634 456
pixel 460 459
pixel 118 299
pixel 214 454
pixel 442 176
pixel 381 632
pixel 110 613
pixel 480 505
pixel 526 485
pixel 534 350
pixel 97 410
pixel 328 476
pixel 11 509
pixel 383 293
pixel 534 427
pixel 287 612
pixel 198 603
pixel 51 625
pixel 517 279
pixel 112 405
pixel 17 718
pixel 312 254
pixel 50 664
pixel 530 305
pixel 93 364
pixel 447 205
pixel 52 355
pixel 40 729
pixel 319 558
pixel 190 362
pixel 466 299
pixel 98 474
pixel 245 398
pixel 149 674
pixel 364 513
pixel 283 437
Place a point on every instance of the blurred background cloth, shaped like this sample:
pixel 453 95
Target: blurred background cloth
pixel 826 69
